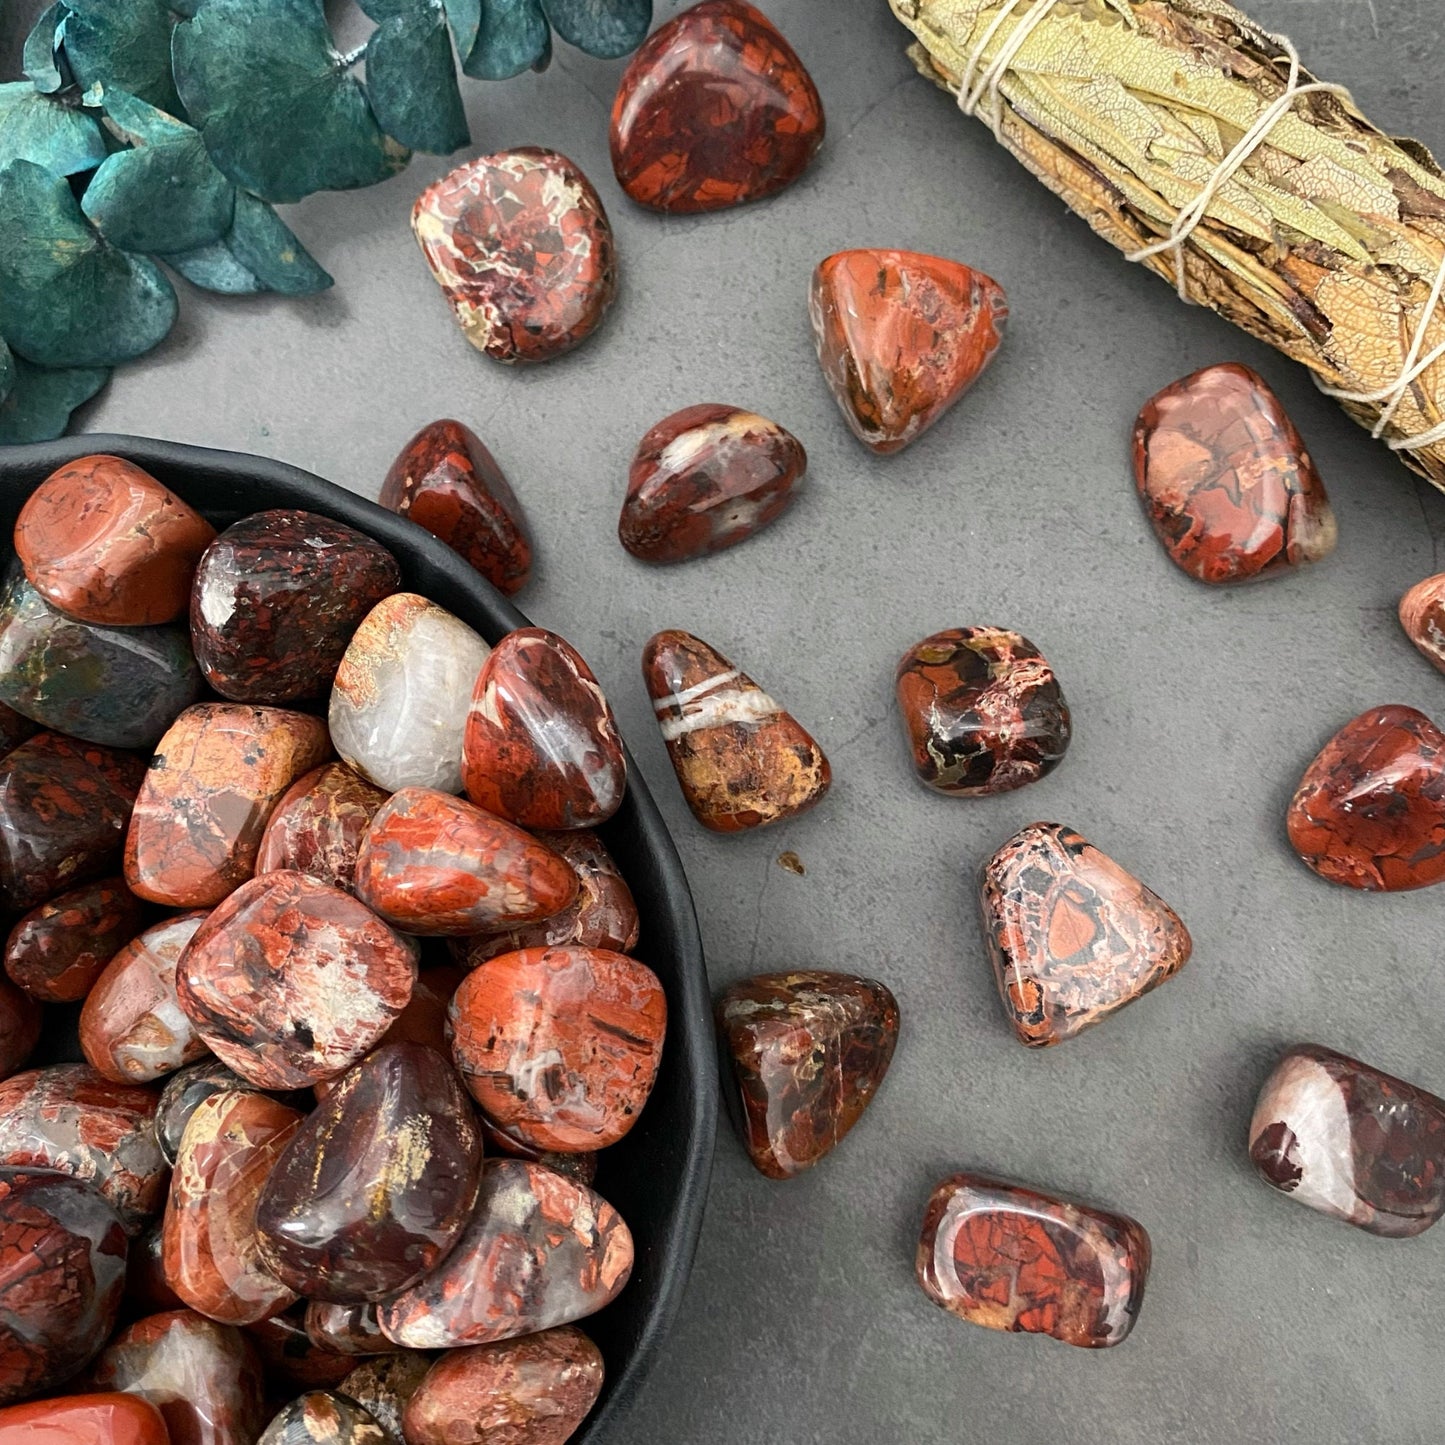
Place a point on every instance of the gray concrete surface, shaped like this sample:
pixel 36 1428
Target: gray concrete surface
pixel 1196 711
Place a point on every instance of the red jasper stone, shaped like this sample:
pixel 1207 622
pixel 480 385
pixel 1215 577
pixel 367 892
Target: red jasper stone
pixel 1011 1258
pixel 290 1358
pixel 521 246
pixel 291 981
pixel 69 1119
pixel 1370 810
pixel 741 760
pixel 1073 936
pixel 276 599
pixel 1226 480
pixel 104 542
pixel 901 337
pixel 210 1248
pixel 540 1251
pixel 560 1046
pixel 84 1420
pixel 20 1021
pixel 706 478
pixel 184 1091
pixel 208 794
pixel 146 1290
pixel 1422 615
pixel 808 1051
pixel 446 481
pixel 318 826
pixel 57 951
pixel 533 1391
pixel 714 110
pixel 347 1329
pixel 435 865
pixel 63 811
pixel 541 746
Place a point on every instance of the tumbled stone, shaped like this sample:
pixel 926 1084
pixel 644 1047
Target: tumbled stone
pixel 1370 810
pixel 533 1391
pixel 1226 480
pixel 132 1029
pixel 277 597
pixel 58 950
pixel 434 865
pixel 318 825
pixel 520 244
pixel 324 1418
pixel 20 1021
pixel 808 1052
pixel 289 1356
pixel 400 701
pixel 203 1377
pixel 446 481
pixel 580 1167
pixel 184 1091
pixel 290 980
pixel 1422 615
pixel 105 542
pixel 69 1119
pixel 62 1271
pixel 210 1250
pixel 350 1329
pixel 1351 1141
pixel 117 686
pixel 1011 1258
pixel 714 110
pixel 14 729
pixel 900 337
pixel 540 1251
pixel 207 796
pixel 146 1289
pixel 741 760
pixel 541 747
pixel 1072 935
pixel 983 711
pixel 63 812
pixel 383 1386
pixel 84 1420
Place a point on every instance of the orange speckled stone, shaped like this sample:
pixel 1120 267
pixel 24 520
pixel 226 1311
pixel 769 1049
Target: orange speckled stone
pixel 319 824
pixel 57 951
pixel 1422 615
pixel 84 1420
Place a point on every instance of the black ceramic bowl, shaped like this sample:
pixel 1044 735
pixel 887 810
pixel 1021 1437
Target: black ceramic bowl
pixel 657 1176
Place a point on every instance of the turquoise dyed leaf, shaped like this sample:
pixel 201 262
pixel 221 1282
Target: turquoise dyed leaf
pixel 67 298
pixel 276 106
pixel 412 80
pixel 7 370
pixel 163 194
pixel 125 44
pixel 513 36
pixel 604 28
pixel 33 127
pixel 266 246
pixel 39 403
pixel 40 59
pixel 215 268
pixel 465 18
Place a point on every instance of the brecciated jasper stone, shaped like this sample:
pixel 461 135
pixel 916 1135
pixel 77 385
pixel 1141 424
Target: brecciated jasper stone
pixel 540 1250
pixel 105 542
pixel 1011 1258
pixel 522 249
pixel 1226 480
pixel 532 1391
pixel 84 1420
pixel 434 865
pixel 901 337
pixel 378 1183
pixel 1351 1141
pixel 714 110
pixel 400 700
pixel 318 825
pixel 1073 936
pixel 560 1046
pixel 132 1029
pixel 289 1357
pixel 983 711
pixel 182 1096
pixel 207 796
pixel 324 1418
pixel 347 1329
pixel 58 950
pixel 808 1052
pixel 706 478
pixel 541 746
pixel 382 1386
pixel 741 760
pixel 290 981
pixel 1370 810
pixel 20 1021
pixel 276 599
pixel 1422 615
pixel 446 481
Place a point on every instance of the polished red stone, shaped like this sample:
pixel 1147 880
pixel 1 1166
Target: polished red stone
pixel 57 951
pixel 714 110
pixel 541 747
pixel 901 337
pixel 533 1391
pixel 520 244
pixel 446 481
pixel 1011 1258
pixel 291 981
pixel 383 1385
pixel 184 1091
pixel 1073 936
pixel 208 794
pixel 291 1359
pixel 1226 480
pixel 742 762
pixel 347 1329
pixel 146 1290
pixel 432 864
pixel 1422 615
pixel 581 1167
pixel 20 1021
pixel 808 1052
pixel 560 1046
pixel 1370 810
pixel 318 825
pixel 84 1420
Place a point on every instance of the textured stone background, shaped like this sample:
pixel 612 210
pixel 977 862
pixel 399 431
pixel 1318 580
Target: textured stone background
pixel 1195 710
